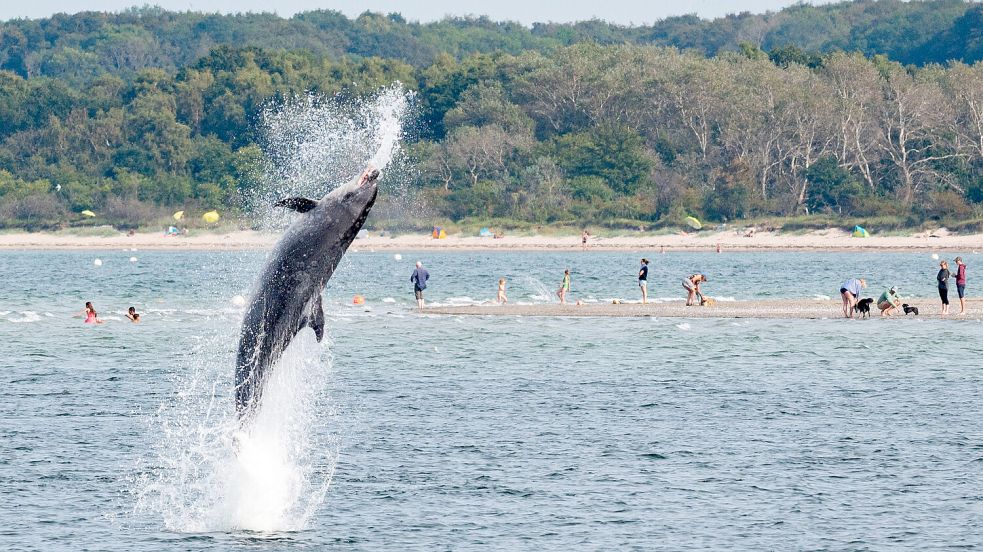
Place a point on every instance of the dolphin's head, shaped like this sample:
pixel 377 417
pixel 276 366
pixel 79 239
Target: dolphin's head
pixel 348 206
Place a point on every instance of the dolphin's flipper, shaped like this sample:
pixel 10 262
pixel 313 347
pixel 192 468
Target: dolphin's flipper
pixel 299 204
pixel 317 318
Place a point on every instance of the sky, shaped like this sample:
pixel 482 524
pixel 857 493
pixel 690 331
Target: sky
pixel 524 11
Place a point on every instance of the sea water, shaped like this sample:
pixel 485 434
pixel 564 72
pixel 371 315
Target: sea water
pixel 407 431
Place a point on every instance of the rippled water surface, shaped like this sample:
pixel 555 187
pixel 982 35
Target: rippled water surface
pixel 430 432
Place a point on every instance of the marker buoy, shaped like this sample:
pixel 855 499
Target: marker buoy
pixel 358 300
pixel 97 262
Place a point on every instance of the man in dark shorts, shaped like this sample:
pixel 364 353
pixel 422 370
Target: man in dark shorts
pixel 961 285
pixel 419 279
pixel 643 277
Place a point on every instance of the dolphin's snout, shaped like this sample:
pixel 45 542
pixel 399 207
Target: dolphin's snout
pixel 372 175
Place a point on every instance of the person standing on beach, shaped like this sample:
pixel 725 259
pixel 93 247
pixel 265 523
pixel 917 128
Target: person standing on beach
pixel 943 279
pixel 502 299
pixel 419 279
pixel 583 239
pixel 961 285
pixel 850 292
pixel 692 287
pixel 643 277
pixel 564 287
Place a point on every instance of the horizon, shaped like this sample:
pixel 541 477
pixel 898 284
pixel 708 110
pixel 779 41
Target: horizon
pixel 625 12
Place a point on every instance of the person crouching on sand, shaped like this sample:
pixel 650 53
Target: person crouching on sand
pixel 889 302
pixel 564 287
pixel 692 287
pixel 850 292
pixel 501 292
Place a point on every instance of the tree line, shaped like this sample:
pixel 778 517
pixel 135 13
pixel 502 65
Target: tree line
pixel 617 132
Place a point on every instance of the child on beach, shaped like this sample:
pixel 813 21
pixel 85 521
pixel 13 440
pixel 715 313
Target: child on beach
pixel 564 287
pixel 501 292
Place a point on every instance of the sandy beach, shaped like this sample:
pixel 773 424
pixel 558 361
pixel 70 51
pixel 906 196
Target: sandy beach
pixel 826 240
pixel 774 309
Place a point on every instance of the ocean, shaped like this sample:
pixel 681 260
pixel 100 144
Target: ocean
pixel 408 431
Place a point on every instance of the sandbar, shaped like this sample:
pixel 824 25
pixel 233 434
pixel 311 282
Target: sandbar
pixel 767 309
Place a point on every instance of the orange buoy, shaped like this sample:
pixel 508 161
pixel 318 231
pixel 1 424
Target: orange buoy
pixel 358 300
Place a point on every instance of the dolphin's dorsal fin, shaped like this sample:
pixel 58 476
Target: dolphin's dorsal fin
pixel 299 204
pixel 315 319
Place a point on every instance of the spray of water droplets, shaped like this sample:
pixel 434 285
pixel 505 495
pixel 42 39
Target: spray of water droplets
pixel 314 144
pixel 205 471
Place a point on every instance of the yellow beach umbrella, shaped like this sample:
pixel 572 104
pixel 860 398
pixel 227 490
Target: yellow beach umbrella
pixel 179 215
pixel 211 216
pixel 88 213
pixel 694 223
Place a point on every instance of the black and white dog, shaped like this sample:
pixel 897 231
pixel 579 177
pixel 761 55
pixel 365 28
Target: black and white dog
pixel 908 309
pixel 863 307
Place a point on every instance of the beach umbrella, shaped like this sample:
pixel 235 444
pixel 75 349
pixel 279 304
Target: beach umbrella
pixel 179 215
pixel 694 223
pixel 860 232
pixel 88 213
pixel 211 216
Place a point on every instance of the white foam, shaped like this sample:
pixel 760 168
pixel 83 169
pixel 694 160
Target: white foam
pixel 388 300
pixel 684 326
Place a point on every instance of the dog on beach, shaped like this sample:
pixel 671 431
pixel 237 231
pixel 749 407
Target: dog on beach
pixel 908 309
pixel 863 307
pixel 708 302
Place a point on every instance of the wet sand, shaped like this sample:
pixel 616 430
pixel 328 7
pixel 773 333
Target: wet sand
pixel 772 309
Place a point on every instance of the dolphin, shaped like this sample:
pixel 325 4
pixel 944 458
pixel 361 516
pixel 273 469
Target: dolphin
pixel 287 296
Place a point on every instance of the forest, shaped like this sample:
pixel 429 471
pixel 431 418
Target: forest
pixel 869 110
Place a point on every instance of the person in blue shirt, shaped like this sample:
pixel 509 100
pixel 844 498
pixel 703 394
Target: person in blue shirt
pixel 643 280
pixel 419 279
pixel 850 292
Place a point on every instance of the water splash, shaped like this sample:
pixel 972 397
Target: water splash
pixel 314 144
pixel 205 472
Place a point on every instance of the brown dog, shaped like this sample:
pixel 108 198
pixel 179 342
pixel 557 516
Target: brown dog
pixel 708 302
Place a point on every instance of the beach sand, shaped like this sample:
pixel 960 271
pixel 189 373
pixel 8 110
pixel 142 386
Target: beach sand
pixel 825 240
pixel 776 309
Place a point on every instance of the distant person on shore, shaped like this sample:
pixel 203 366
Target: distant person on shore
pixel 564 287
pixel 643 280
pixel 89 312
pixel 943 278
pixel 419 279
pixel 889 302
pixel 961 285
pixel 583 239
pixel 850 292
pixel 131 313
pixel 502 299
pixel 692 287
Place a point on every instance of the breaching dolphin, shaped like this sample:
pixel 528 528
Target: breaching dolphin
pixel 287 296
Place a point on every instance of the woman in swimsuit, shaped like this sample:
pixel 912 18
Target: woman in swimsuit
pixel 564 287
pixel 91 317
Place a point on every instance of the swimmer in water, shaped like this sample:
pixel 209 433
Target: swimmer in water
pixel 131 313
pixel 91 317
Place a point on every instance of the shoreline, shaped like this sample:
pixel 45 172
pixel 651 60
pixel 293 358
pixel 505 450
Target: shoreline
pixel 728 241
pixel 776 309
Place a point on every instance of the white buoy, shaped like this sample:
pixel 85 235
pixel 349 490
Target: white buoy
pixel 398 257
pixel 239 300
pixel 935 256
pixel 133 259
pixel 97 262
